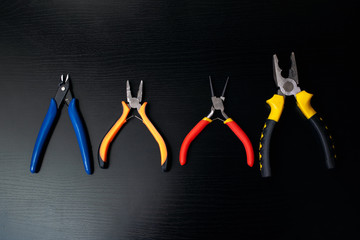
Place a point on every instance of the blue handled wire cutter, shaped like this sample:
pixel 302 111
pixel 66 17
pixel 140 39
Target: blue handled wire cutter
pixel 63 94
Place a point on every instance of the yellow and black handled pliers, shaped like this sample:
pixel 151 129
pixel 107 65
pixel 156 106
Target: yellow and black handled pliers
pixel 289 87
pixel 132 103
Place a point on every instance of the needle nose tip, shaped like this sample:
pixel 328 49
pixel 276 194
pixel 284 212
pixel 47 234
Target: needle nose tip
pixel 62 77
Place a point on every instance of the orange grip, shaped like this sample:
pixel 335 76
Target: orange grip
pixel 105 143
pixel 155 133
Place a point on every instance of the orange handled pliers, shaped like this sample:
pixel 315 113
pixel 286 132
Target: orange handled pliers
pixel 132 103
pixel 217 104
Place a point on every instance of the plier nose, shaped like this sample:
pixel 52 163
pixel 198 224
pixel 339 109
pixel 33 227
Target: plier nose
pixel 218 102
pixel 134 102
pixel 287 86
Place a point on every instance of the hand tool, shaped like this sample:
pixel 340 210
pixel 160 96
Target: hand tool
pixel 217 104
pixel 63 94
pixel 132 103
pixel 289 87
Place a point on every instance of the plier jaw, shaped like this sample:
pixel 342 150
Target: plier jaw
pixel 217 102
pixel 287 86
pixel 134 102
pixel 63 93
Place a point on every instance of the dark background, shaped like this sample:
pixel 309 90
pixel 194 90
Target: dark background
pixel 173 46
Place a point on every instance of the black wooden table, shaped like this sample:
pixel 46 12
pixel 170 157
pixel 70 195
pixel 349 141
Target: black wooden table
pixel 173 46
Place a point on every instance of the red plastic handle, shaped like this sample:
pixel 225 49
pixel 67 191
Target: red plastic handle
pixel 244 139
pixel 190 137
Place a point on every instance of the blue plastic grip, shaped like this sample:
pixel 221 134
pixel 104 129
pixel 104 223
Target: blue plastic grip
pixel 43 134
pixel 80 134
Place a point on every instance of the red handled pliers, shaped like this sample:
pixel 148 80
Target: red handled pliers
pixel 217 104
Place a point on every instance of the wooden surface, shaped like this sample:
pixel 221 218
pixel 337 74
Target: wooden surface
pixel 173 46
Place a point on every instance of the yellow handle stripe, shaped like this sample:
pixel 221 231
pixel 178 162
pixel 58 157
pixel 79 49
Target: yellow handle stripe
pixel 303 99
pixel 112 132
pixel 155 133
pixel 207 119
pixel 228 120
pixel 276 104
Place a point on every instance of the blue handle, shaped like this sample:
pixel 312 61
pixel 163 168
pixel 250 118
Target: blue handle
pixel 80 134
pixel 43 134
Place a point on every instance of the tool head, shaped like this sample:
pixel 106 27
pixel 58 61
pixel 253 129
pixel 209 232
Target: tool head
pixel 134 102
pixel 217 102
pixel 287 86
pixel 63 93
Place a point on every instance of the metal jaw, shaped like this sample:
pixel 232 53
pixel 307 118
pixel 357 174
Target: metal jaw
pixel 217 102
pixel 287 86
pixel 63 93
pixel 134 102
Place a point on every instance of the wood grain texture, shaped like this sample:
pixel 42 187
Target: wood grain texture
pixel 173 46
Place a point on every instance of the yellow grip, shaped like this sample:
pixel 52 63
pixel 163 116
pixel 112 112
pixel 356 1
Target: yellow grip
pixel 228 120
pixel 303 99
pixel 207 119
pixel 155 133
pixel 112 133
pixel 276 104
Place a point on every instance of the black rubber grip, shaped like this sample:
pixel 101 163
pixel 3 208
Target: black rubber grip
pixel 102 164
pixel 164 167
pixel 326 140
pixel 264 148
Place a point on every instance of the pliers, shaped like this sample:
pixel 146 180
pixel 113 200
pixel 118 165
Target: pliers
pixel 132 103
pixel 63 94
pixel 217 105
pixel 289 87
